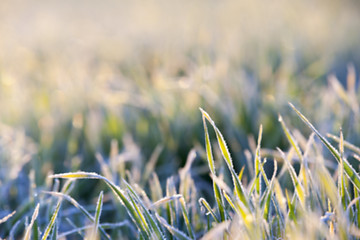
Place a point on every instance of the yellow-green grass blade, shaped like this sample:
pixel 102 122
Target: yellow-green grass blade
pixel 295 145
pixel 341 180
pixel 116 190
pixel 52 221
pixel 97 215
pixel 291 206
pixel 266 200
pixel 186 217
pixel 297 185
pixel 236 206
pixel 81 208
pixel 349 170
pixel 154 227
pixel 144 225
pixel 208 145
pixel 241 194
pixel 257 163
pixel 217 192
pixel 221 140
pixel 27 235
pixel 206 205
pixel 356 196
pixel 219 201
pixel 171 207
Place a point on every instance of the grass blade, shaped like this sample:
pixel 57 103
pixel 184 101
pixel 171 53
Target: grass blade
pixel 33 218
pixel 81 208
pixel 217 192
pixel 205 204
pixel 186 217
pixel 52 221
pixel 258 163
pixel 349 170
pixel 175 232
pixel 295 145
pixel 97 215
pixel 241 194
pixel 116 190
pixel 4 219
pixel 297 185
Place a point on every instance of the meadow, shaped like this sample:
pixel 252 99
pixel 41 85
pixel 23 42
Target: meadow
pixel 179 120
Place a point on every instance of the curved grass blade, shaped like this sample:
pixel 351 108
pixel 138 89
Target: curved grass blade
pixel 81 208
pixel 205 204
pixel 295 145
pixel 217 192
pixel 33 218
pixel 155 229
pixel 241 194
pixel 349 170
pixel 116 190
pixel 297 185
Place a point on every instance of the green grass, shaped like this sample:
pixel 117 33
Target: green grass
pixel 101 136
pixel 316 206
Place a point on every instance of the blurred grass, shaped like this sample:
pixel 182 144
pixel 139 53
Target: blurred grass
pixel 74 76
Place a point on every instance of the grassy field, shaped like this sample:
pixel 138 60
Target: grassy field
pixel 179 120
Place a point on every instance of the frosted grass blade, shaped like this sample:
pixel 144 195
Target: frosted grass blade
pixel 206 205
pixel 81 208
pixel 217 192
pixel 258 163
pixel 97 215
pixel 52 221
pixel 349 170
pixel 33 218
pixel 241 194
pixel 297 185
pixel 4 219
pixel 175 232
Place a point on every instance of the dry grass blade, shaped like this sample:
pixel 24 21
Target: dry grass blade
pixel 33 218
pixel 217 232
pixel 4 219
pixel 165 200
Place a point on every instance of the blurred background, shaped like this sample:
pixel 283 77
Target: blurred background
pixel 124 78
